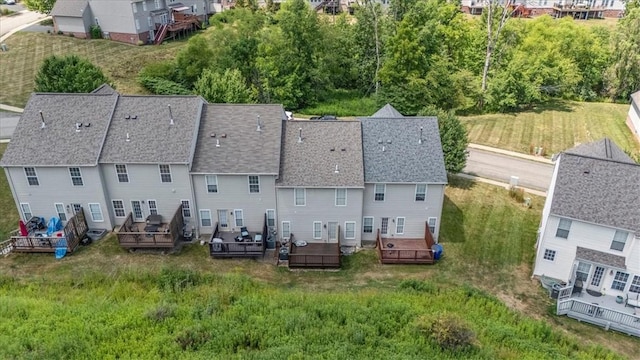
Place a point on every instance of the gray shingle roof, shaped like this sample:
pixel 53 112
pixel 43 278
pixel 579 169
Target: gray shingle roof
pixel 600 257
pixel 325 144
pixel 404 159
pixel 152 139
pixel 244 150
pixel 70 8
pixel 104 89
pixel 601 149
pixel 599 191
pixel 387 111
pixel 58 144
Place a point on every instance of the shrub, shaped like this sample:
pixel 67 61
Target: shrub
pixel 417 285
pixel 161 313
pixel 60 32
pixel 176 280
pixel 192 338
pixel 161 86
pixel 451 333
pixel 96 32
pixel 46 22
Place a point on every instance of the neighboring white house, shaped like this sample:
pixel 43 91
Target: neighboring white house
pixel 577 9
pixel 633 118
pixel 590 228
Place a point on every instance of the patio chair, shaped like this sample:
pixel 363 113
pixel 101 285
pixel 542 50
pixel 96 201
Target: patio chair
pixel 244 232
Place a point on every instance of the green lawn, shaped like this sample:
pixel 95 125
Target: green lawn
pixel 556 127
pixel 120 62
pixel 9 218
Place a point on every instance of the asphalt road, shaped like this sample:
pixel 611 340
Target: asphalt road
pixel 490 165
pixel 22 17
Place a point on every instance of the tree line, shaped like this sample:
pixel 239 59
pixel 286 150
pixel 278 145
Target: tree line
pixel 417 54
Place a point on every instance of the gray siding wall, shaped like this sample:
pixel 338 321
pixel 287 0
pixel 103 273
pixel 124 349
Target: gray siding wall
pixel 73 24
pixel 56 187
pixel 320 206
pixel 114 15
pixel 233 193
pixel 144 185
pixel 399 201
pixel 199 6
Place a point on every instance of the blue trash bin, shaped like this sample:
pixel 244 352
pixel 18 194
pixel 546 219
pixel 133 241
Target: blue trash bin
pixel 437 251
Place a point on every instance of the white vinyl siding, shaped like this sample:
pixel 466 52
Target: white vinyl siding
pixel 76 176
pixel 186 208
pixel 317 230
pixel 286 229
pixel 379 190
pixel 421 192
pixel 32 177
pixel 60 210
pixel 96 212
pixel 118 208
pixel 212 183
pixel 165 173
pixel 300 197
pixel 153 207
pixel 26 211
pixel 205 217
pixel 349 229
pixel 121 172
pixel 238 215
pixel 341 197
pixel 564 226
pixel 400 225
pixel 619 240
pixel 367 224
pixel 254 184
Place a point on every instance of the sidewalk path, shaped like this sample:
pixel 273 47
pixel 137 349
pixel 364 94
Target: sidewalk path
pixel 15 23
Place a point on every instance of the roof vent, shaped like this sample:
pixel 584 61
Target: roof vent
pixel 42 118
pixel 343 149
pixel 389 141
pixel 420 140
pixel 332 149
pixel 224 136
pixel 217 142
pixel 128 138
pixel 127 117
pixel 212 135
pixel 380 141
pixel 382 148
pixel 586 171
pixel 87 125
pixel 300 135
pixel 78 126
pixel 336 171
pixel 258 128
pixel 170 115
pixel 134 117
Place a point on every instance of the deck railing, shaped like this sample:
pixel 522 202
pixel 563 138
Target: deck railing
pixel 599 315
pixel 229 249
pixel 407 256
pixel 130 236
pixel 315 260
pixel 74 231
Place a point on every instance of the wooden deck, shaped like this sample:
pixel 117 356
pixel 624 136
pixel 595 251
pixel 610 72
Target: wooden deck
pixel 73 232
pixel 131 235
pixel 230 248
pixel 406 250
pixel 315 255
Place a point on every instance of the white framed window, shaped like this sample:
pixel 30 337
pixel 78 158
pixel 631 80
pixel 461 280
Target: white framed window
pixel 121 171
pixel 118 208
pixel 32 177
pixel 619 281
pixel 137 22
pixel 222 218
pixel 153 207
pixel 349 229
pixel 341 197
pixel 254 184
pixel 212 183
pixel 317 230
pixel 635 284
pixel 300 196
pixel 432 224
pixel 399 225
pixel 144 5
pixel 421 192
pixel 205 217
pixel 165 173
pixel 367 224
pixel 157 3
pixel 379 190
pixel 26 211
pixel 583 270
pixel 96 212
pixel 134 8
pixel 60 210
pixel 619 240
pixel 76 208
pixel 286 230
pixel 76 176
pixel 238 215
pixel 136 209
pixel 384 226
pixel 563 228
pixel 149 21
pixel 549 254
pixel 186 208
pixel 271 218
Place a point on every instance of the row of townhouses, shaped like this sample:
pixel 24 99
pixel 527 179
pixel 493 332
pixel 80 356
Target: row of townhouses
pixel 230 165
pixel 577 9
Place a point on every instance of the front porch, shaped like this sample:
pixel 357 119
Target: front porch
pixel 406 250
pixel 151 234
pixel 601 310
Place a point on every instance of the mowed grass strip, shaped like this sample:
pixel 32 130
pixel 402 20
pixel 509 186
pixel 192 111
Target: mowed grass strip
pixel 555 127
pixel 120 62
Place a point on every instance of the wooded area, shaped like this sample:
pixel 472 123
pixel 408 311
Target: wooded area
pixel 419 53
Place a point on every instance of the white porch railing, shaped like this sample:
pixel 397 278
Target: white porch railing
pixel 598 315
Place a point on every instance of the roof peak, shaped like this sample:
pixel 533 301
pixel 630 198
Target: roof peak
pixel 387 111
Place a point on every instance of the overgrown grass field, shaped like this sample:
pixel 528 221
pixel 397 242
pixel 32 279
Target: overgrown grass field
pixel 120 62
pixel 556 127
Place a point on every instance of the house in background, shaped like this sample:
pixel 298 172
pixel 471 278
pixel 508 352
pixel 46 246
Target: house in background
pixel 577 9
pixel 633 117
pixel 129 21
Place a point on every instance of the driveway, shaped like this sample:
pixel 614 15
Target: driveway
pixel 8 123
pixel 15 21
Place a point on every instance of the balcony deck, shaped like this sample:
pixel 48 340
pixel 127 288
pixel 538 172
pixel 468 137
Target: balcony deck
pixel 230 248
pixel 315 255
pixel 406 250
pixel 132 235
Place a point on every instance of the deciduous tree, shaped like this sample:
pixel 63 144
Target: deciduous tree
pixel 624 73
pixel 68 74
pixel 453 136
pixel 224 87
pixel 41 6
